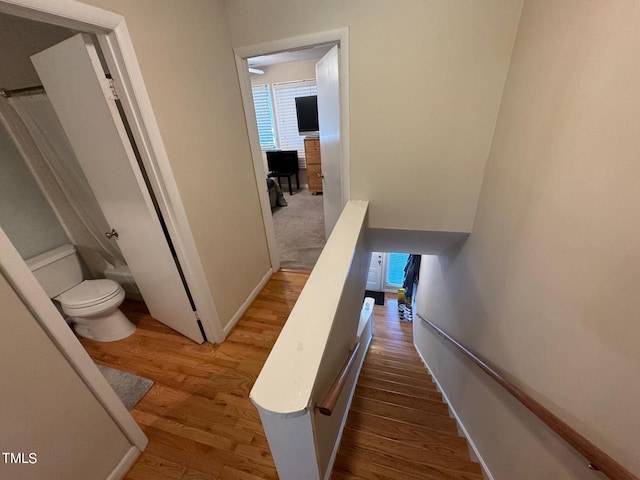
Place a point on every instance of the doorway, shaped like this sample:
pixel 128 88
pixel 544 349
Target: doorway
pixel 74 138
pixel 112 35
pixel 386 271
pixel 284 86
pixel 339 148
pixel 156 188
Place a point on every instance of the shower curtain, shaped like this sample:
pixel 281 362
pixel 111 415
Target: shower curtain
pixel 36 131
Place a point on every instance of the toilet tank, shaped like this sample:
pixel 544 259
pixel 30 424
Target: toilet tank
pixel 57 270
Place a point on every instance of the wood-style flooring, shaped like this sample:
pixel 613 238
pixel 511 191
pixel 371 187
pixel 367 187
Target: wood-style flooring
pixel 202 426
pixel 198 418
pixel 398 426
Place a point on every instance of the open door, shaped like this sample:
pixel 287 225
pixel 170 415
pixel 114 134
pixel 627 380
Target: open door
pixel 86 106
pixel 328 83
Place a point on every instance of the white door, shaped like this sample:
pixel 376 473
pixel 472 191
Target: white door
pixel 80 94
pixel 328 82
pixel 374 279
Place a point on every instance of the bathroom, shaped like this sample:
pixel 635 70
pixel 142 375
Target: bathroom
pixel 82 105
pixel 30 221
pixel 46 202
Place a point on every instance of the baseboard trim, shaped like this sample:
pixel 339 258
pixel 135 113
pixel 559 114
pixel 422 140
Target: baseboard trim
pixel 475 452
pixel 125 464
pixel 243 308
pixel 293 270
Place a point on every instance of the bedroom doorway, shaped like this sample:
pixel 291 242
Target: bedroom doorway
pixel 331 141
pixel 284 88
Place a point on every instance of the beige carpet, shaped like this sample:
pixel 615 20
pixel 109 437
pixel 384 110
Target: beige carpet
pixel 299 230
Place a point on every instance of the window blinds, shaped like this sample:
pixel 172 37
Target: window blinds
pixel 264 116
pixel 285 107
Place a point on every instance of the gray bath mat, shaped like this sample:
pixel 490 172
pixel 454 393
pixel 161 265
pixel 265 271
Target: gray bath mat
pixel 130 388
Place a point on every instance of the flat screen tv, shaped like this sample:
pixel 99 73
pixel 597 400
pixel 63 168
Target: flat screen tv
pixel 282 161
pixel 307 111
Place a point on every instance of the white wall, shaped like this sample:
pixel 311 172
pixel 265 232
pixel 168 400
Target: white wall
pixel 440 135
pixel 46 408
pixel 425 81
pixel 546 286
pixel 185 55
pixel 285 72
pixel 25 214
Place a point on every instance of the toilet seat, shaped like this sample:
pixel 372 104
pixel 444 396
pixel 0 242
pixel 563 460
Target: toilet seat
pixel 91 297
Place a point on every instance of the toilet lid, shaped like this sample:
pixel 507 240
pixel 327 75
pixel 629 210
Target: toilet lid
pixel 89 292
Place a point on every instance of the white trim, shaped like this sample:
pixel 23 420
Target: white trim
pixel 64 13
pixel 19 276
pixel 243 308
pixel 258 164
pixel 125 464
pixel 474 450
pixel 123 65
pixel 338 36
pixel 112 33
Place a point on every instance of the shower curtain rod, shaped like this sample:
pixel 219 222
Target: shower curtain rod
pixel 21 91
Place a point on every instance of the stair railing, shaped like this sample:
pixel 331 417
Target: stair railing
pixel 309 355
pixel 327 405
pixel 598 460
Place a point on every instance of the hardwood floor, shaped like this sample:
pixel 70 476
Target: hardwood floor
pixel 398 426
pixel 202 426
pixel 197 416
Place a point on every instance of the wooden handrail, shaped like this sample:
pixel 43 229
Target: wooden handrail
pixel 598 460
pixel 331 398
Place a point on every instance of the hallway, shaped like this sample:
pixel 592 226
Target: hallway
pixel 198 417
pixel 201 424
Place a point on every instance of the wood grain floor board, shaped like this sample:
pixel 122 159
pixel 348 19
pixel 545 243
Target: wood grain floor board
pixel 201 424
pixel 198 417
pixel 398 426
pixel 403 432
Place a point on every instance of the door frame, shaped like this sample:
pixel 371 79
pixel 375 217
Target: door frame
pixel 341 38
pixel 116 44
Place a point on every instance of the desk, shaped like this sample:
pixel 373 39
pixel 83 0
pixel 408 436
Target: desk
pixel 288 175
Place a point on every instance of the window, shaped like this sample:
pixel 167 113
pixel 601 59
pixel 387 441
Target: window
pixel 395 269
pixel 264 116
pixel 285 109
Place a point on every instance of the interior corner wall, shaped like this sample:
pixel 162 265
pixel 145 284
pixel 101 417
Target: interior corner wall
pixel 425 84
pixel 185 54
pixel 546 286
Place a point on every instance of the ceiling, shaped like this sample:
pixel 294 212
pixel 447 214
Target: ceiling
pixel 21 38
pixel 310 53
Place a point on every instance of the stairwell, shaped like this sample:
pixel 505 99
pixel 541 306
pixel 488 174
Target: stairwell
pixel 399 426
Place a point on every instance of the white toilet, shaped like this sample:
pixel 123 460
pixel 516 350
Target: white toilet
pixel 92 305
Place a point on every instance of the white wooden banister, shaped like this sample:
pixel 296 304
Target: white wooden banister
pixel 322 329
